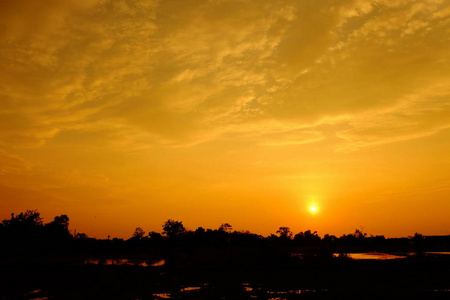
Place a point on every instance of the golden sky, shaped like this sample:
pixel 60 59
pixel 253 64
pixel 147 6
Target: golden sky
pixel 126 113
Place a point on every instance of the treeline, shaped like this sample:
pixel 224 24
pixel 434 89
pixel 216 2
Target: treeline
pixel 27 232
pixel 175 230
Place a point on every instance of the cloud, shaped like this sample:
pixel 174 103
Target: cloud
pixel 173 73
pixel 157 100
pixel 60 73
pixel 30 18
pixel 12 164
pixel 420 114
pixel 294 138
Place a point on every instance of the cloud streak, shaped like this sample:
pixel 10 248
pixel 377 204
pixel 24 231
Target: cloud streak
pixel 185 70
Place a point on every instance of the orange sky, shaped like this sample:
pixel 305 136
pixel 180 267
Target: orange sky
pixel 126 113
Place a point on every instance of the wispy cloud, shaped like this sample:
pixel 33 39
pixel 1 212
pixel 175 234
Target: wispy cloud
pixel 97 83
pixel 179 70
pixel 419 115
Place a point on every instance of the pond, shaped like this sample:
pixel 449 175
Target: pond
pixel 369 255
pixel 248 291
pixel 125 261
pixel 437 253
pixel 363 255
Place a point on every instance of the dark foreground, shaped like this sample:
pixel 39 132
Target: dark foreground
pixel 188 277
pixel 46 261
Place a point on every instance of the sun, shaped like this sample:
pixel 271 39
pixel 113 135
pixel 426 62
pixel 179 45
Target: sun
pixel 313 209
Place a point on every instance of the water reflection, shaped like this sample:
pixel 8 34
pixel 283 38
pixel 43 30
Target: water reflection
pixel 124 261
pixel 297 292
pixel 364 255
pixel 162 296
pixel 159 263
pixel 259 291
pixel 369 255
pixel 190 289
pixel 187 289
pixel 246 287
pixel 35 295
pixel 382 256
pixel 438 253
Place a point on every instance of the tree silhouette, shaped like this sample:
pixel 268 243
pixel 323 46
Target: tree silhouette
pixel 173 228
pixel 29 218
pixel 81 236
pixel 138 234
pixel 307 238
pixel 284 232
pixel 418 241
pixel 200 231
pixel 61 221
pixel 58 228
pixel 23 229
pixel 154 235
pixel 359 234
pixel 226 227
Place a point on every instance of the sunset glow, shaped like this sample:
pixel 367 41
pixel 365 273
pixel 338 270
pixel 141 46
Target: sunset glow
pixel 126 113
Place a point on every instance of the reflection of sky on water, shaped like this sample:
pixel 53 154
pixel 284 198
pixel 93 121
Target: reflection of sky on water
pixel 438 253
pixel 364 255
pixel 247 287
pixel 159 263
pixel 253 291
pixel 124 261
pixel 186 289
pixel 35 295
pixel 257 291
pixel 162 296
pixel 374 255
pixel 190 289
pixel 302 291
pixel 370 255
pixel 381 256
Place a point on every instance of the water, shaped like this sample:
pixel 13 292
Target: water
pixel 162 296
pixel 190 289
pixel 371 256
pixel 124 261
pixel 256 291
pixel 161 283
pixel 260 292
pixel 35 295
pixel 383 256
pixel 183 290
pixel 438 253
pixel 366 255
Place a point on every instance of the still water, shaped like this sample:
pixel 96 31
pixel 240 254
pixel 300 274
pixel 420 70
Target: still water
pixel 369 255
pixel 35 295
pixel 383 256
pixel 157 263
pixel 250 291
pixel 124 261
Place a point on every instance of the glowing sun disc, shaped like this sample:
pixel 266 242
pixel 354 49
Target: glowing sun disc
pixel 313 208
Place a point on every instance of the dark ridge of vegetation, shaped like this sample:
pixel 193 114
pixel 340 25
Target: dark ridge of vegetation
pixel 27 233
pixel 46 261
